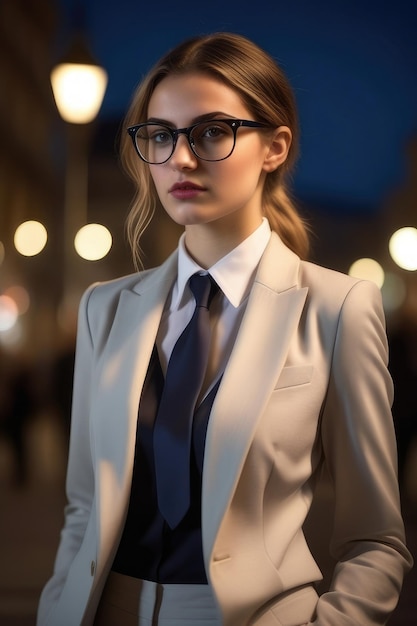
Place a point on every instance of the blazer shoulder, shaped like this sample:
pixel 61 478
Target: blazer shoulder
pixel 332 289
pixel 102 293
pixel 312 273
pixel 100 300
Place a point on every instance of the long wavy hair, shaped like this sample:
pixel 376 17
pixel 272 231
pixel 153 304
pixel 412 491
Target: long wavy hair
pixel 264 89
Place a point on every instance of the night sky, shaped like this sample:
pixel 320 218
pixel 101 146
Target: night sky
pixel 353 67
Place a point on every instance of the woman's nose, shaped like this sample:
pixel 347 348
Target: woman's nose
pixel 183 156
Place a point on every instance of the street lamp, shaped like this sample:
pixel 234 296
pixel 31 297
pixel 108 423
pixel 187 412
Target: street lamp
pixel 78 85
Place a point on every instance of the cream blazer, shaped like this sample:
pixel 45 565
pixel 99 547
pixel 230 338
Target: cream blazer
pixel 306 384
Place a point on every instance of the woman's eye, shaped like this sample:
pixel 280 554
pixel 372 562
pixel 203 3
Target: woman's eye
pixel 213 131
pixel 160 136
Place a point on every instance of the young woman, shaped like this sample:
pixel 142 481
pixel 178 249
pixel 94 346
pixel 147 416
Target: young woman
pixel 296 381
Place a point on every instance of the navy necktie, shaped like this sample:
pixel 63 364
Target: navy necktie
pixel 173 423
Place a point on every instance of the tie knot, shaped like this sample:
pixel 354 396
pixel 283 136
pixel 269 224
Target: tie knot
pixel 203 288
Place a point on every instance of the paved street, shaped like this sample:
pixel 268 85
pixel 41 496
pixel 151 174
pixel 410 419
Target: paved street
pixel 31 517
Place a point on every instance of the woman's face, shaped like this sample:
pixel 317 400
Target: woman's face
pixel 224 194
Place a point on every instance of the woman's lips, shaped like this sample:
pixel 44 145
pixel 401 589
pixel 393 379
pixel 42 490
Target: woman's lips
pixel 185 190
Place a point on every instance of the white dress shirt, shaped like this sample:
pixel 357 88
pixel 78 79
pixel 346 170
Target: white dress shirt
pixel 234 273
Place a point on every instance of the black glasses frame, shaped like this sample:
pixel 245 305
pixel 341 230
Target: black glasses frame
pixel 175 132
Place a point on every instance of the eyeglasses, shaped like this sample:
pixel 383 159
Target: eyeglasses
pixel 213 140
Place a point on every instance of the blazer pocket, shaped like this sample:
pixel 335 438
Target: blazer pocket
pixel 294 375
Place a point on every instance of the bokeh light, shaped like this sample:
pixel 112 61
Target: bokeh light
pixel 30 238
pixel 403 248
pixel 20 296
pixel 2 252
pixel 368 269
pixel 93 242
pixel 14 338
pixel 8 313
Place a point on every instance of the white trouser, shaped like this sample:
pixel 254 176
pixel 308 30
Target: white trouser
pixel 128 601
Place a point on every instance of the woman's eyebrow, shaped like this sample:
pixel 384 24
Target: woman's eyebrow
pixel 199 118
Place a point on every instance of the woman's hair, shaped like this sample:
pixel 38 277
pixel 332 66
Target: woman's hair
pixel 265 91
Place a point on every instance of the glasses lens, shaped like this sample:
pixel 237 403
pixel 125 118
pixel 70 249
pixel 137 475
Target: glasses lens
pixel 212 140
pixel 154 143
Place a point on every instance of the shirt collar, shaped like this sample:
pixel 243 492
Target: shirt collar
pixel 234 273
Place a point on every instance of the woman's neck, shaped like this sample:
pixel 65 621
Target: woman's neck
pixel 207 244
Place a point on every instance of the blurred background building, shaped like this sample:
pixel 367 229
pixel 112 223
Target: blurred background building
pixel 353 67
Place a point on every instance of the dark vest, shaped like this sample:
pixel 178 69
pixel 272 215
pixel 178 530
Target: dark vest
pixel 149 549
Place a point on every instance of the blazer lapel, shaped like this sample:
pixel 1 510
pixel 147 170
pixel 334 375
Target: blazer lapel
pixel 121 376
pixel 270 320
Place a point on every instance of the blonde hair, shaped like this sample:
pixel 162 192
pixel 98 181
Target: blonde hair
pixel 264 89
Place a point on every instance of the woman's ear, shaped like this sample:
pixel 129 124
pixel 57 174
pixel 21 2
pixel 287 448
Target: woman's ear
pixel 279 146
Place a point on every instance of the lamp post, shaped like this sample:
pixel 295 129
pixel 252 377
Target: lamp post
pixel 78 85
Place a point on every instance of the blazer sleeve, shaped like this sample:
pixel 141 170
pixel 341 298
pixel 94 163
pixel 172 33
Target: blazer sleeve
pixel 359 446
pixel 80 474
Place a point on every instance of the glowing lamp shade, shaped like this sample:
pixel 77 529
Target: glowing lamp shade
pixel 30 238
pixel 403 248
pixel 78 91
pixel 93 242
